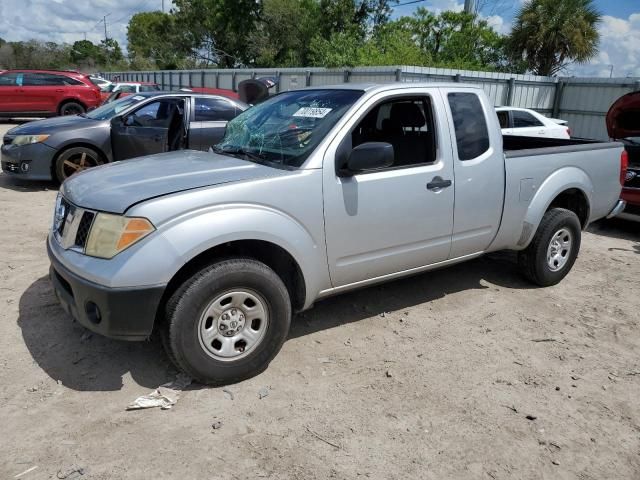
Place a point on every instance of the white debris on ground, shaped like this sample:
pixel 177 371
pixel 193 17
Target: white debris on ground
pixel 165 396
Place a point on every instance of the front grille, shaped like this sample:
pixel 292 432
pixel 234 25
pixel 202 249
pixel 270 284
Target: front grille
pixel 83 229
pixel 11 167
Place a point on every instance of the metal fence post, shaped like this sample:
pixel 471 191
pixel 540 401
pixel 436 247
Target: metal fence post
pixel 557 98
pixel 347 74
pixel 217 79
pixel 170 80
pixel 202 78
pixel 277 81
pixel 457 78
pixel 190 79
pixel 308 78
pixel 510 91
pixel 233 81
pixel 253 75
pixel 398 74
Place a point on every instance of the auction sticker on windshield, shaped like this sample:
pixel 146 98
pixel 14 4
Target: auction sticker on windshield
pixel 312 112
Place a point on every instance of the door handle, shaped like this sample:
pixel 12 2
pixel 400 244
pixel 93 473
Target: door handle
pixel 438 183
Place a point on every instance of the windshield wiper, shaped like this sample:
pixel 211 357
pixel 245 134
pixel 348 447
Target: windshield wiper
pixel 248 155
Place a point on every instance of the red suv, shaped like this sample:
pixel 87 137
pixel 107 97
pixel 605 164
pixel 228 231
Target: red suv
pixel 46 93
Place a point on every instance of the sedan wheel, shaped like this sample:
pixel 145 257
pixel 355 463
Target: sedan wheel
pixel 75 160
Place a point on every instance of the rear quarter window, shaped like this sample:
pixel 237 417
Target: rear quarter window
pixel 470 125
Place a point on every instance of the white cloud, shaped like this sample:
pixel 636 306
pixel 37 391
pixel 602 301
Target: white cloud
pixel 619 40
pixel 69 20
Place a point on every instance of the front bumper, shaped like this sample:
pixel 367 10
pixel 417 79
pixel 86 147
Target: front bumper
pixel 30 162
pixel 121 313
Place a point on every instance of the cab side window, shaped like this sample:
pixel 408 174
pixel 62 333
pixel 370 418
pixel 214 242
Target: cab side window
pixel 405 123
pixel 470 125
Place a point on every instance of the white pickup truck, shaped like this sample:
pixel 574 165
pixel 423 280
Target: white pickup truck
pixel 312 193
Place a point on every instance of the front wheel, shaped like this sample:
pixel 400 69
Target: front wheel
pixel 74 160
pixel 228 321
pixel 554 248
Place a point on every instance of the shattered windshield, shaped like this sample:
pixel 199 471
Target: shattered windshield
pixel 286 128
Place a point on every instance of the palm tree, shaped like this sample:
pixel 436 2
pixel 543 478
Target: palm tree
pixel 548 35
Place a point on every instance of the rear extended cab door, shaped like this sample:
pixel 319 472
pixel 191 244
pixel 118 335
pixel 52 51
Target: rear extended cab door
pixel 478 162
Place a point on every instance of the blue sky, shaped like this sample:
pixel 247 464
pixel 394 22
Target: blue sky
pixel 619 32
pixel 70 20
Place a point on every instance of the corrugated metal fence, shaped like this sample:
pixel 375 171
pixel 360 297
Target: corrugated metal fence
pixel 582 101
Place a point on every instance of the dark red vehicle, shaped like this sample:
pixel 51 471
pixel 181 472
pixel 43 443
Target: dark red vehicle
pixel 623 124
pixel 46 93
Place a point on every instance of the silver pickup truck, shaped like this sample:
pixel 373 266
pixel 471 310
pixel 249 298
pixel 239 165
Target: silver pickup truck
pixel 312 193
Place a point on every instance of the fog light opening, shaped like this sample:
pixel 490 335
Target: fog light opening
pixel 24 166
pixel 93 313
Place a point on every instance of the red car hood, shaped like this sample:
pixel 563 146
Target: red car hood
pixel 623 118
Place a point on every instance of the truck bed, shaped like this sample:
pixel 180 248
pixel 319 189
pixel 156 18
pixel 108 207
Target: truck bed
pixel 517 146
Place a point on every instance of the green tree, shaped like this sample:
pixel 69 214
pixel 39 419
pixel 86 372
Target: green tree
pixel 548 35
pixel 458 40
pixel 281 38
pixel 154 40
pixel 86 54
pixel 217 30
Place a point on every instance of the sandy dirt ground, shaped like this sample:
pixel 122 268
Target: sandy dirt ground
pixel 462 373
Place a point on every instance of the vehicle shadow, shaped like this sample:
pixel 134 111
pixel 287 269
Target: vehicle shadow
pixel 68 352
pixel 493 269
pixel 618 228
pixel 80 360
pixel 12 183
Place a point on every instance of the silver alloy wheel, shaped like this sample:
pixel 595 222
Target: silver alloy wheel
pixel 233 324
pixel 559 249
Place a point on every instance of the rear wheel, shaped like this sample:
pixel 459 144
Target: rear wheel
pixel 74 160
pixel 554 248
pixel 228 321
pixel 71 108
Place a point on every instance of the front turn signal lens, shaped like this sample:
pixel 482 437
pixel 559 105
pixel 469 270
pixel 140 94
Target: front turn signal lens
pixel 111 234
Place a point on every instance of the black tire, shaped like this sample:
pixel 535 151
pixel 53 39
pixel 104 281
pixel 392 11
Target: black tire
pixel 533 260
pixel 71 108
pixel 81 157
pixel 188 304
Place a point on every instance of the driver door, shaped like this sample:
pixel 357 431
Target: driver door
pixel 144 131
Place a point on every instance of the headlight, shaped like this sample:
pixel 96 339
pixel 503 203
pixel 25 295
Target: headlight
pixel 111 234
pixel 29 139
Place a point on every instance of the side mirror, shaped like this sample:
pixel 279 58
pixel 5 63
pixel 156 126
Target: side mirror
pixel 369 156
pixel 117 121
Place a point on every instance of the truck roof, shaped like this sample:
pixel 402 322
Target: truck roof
pixel 381 87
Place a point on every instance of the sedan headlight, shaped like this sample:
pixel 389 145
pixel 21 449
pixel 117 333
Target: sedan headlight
pixel 111 234
pixel 29 139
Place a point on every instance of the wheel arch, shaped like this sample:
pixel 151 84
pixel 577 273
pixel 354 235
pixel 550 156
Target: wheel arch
pixel 570 188
pixel 272 255
pixel 64 101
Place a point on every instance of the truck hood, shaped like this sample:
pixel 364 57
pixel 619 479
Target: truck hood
pixel 623 118
pixel 51 125
pixel 117 186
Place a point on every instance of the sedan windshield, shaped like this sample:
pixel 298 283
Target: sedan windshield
pixel 110 110
pixel 286 128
